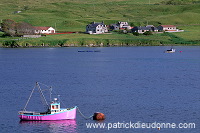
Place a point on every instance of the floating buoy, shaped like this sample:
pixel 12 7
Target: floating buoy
pixel 98 116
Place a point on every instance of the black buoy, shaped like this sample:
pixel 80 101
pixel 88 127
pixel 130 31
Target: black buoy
pixel 98 116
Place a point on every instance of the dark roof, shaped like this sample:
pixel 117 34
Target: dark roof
pixel 140 28
pixel 145 28
pixel 41 28
pixel 95 24
pixel 114 25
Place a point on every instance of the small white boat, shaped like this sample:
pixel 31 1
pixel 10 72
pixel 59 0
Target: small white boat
pixel 172 50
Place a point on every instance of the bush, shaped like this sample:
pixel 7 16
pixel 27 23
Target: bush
pixel 11 44
pixel 147 33
pixel 136 33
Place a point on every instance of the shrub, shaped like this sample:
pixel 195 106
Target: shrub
pixel 136 33
pixel 148 33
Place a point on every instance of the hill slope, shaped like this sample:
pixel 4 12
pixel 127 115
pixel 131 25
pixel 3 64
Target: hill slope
pixel 73 15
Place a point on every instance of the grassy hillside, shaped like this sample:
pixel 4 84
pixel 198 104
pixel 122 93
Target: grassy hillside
pixel 74 15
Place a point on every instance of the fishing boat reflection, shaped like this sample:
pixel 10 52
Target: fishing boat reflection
pixel 68 126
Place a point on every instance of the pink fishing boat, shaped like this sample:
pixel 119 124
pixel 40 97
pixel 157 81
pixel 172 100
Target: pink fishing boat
pixel 54 111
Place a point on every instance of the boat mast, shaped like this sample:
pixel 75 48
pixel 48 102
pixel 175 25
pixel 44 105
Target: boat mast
pixel 42 95
pixel 29 97
pixel 44 101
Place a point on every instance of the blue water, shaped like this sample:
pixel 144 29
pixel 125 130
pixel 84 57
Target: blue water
pixel 125 83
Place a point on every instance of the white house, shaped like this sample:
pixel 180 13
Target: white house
pixel 124 25
pixel 43 30
pixel 167 28
pixel 96 28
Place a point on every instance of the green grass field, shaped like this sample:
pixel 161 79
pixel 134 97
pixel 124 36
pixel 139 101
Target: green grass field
pixel 74 15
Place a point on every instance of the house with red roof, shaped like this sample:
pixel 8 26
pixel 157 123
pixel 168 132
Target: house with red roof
pixel 44 30
pixel 167 28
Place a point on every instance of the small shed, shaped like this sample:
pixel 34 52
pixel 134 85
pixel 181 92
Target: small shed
pixel 15 12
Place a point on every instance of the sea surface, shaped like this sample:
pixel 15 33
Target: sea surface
pixel 127 84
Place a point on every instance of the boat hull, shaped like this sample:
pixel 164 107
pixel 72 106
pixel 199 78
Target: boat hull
pixel 169 51
pixel 68 114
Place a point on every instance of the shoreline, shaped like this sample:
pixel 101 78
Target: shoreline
pixel 96 46
pixel 112 40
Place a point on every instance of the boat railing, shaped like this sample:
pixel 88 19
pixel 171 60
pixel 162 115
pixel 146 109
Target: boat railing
pixel 26 112
pixel 32 112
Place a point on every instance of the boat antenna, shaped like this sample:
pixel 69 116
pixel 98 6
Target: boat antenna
pixel 50 92
pixel 59 98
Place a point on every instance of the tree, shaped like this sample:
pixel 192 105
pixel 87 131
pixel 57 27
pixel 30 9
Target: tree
pixel 132 24
pixel 9 27
pixel 26 8
pixel 23 28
